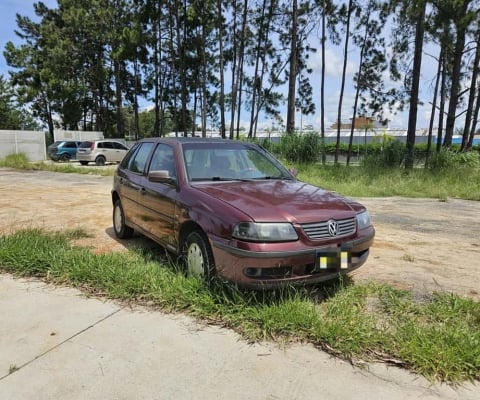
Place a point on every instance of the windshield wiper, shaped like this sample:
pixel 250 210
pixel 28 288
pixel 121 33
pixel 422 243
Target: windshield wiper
pixel 222 179
pixel 281 178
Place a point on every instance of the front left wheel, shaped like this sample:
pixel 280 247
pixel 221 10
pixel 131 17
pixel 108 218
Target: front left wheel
pixel 199 257
pixel 122 231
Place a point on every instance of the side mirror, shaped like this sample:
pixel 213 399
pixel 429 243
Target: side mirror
pixel 160 176
pixel 293 171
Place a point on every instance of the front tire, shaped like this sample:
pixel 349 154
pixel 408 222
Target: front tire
pixel 199 257
pixel 122 231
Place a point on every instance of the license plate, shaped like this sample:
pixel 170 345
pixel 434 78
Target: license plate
pixel 332 260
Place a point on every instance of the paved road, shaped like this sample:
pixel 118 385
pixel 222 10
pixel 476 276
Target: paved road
pixel 57 344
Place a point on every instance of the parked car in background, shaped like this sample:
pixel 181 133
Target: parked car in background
pixel 231 210
pixel 101 152
pixel 63 150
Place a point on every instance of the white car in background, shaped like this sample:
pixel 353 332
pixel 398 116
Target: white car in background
pixel 101 152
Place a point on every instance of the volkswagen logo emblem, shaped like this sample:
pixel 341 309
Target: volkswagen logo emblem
pixel 332 228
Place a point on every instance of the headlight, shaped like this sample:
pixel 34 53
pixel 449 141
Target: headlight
pixel 264 232
pixel 363 220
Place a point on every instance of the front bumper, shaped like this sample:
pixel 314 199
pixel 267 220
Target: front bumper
pixel 265 268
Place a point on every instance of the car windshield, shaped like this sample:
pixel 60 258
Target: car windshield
pixel 230 161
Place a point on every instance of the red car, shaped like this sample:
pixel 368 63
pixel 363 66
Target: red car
pixel 232 211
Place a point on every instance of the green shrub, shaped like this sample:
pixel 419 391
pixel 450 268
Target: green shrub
pixel 19 160
pixel 449 158
pixel 305 148
pixel 389 155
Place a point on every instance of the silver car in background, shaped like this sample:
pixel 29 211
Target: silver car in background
pixel 101 152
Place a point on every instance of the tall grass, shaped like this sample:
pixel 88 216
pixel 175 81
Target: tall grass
pixel 461 182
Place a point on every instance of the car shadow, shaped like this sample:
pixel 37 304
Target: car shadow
pixel 145 246
pixel 316 293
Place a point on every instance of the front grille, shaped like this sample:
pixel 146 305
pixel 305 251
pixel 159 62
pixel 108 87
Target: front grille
pixel 319 230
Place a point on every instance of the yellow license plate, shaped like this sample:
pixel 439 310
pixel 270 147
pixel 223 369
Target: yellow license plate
pixel 332 260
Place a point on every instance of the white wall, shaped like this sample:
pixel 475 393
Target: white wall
pixel 77 135
pixel 31 143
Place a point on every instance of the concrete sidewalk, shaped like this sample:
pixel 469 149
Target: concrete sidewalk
pixel 57 344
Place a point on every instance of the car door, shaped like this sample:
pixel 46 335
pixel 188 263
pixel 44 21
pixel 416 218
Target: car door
pixel 130 180
pixel 158 200
pixel 118 151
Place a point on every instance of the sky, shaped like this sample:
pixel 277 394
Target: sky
pixel 9 8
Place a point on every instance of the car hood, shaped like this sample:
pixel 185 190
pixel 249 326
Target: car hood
pixel 282 200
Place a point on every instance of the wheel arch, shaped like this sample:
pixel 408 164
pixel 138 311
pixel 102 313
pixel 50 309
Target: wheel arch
pixel 100 157
pixel 185 230
pixel 115 197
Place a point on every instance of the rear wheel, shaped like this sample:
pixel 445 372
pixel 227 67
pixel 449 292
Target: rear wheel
pixel 199 257
pixel 100 161
pixel 122 231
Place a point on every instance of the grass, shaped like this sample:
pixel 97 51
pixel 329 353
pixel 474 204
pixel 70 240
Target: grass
pixel 460 182
pixel 20 161
pixel 436 336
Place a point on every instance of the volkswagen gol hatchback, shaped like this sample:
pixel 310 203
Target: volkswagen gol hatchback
pixel 231 210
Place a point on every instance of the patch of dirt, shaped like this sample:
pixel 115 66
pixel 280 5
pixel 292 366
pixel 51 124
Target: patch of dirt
pixel 421 244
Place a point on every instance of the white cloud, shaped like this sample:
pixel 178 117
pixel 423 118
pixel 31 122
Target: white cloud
pixel 333 63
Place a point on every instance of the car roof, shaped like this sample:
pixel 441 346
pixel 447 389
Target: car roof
pixel 191 139
pixel 102 140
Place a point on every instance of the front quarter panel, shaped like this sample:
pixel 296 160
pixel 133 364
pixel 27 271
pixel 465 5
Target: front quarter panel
pixel 213 216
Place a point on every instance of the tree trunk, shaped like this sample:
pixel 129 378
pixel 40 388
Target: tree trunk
pixel 221 66
pixel 119 99
pixel 182 38
pixel 357 94
pixel 257 82
pixel 434 107
pixel 344 73
pixel 474 120
pixel 417 64
pixel 292 76
pixel 455 84
pixel 443 95
pixel 240 64
pixel 203 84
pixel 471 97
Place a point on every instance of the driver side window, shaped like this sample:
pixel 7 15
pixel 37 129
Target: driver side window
pixel 163 160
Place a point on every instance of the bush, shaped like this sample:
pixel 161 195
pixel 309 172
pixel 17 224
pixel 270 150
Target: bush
pixel 19 160
pixel 391 155
pixel 448 158
pixel 301 148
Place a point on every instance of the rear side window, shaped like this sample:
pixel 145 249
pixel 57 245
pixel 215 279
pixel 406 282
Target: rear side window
pixel 70 145
pixel 106 145
pixel 138 161
pixel 119 146
pixel 85 145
